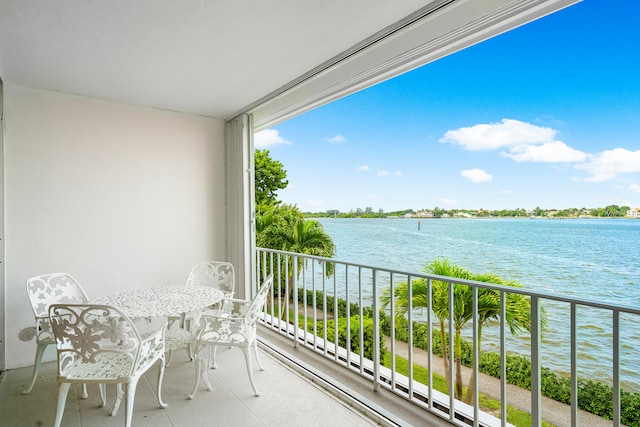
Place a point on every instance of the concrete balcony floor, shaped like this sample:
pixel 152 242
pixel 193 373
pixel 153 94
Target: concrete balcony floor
pixel 287 399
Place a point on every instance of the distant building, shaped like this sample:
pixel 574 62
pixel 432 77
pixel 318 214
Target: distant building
pixel 633 213
pixel 462 215
pixel 424 214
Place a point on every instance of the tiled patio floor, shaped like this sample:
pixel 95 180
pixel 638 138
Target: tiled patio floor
pixel 287 399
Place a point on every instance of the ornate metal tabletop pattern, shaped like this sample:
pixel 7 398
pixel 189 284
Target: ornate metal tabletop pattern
pixel 163 300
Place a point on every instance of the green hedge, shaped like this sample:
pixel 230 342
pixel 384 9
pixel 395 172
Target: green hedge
pixel 354 308
pixel 367 323
pixel 593 396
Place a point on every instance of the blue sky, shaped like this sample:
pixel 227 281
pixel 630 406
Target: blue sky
pixel 546 115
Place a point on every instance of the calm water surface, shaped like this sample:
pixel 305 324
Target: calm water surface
pixel 595 259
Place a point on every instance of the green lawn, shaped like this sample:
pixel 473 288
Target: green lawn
pixel 487 404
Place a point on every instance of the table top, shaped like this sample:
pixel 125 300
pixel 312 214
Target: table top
pixel 163 300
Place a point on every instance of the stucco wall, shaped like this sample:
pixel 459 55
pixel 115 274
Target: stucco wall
pixel 118 196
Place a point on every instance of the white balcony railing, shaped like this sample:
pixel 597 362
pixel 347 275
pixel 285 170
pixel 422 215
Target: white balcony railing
pixel 310 288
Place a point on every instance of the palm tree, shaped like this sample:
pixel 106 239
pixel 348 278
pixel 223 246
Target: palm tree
pixel 284 228
pixel 517 309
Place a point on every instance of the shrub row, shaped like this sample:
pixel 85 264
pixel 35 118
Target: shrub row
pixel 593 396
pixel 354 308
pixel 354 336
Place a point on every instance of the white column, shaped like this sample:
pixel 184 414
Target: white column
pixel 240 209
pixel 2 289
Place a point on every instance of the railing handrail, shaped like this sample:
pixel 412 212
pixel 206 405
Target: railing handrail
pixel 473 283
pixel 353 285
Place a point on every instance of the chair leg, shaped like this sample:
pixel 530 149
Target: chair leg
pixel 247 359
pixel 119 396
pixel 212 357
pixel 103 394
pixel 84 394
pixel 36 366
pixel 200 371
pixel 255 352
pixel 128 403
pixel 63 390
pixel 205 368
pixel 160 377
pixel 170 358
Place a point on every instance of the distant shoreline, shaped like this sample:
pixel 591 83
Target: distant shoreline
pixel 473 217
pixel 612 211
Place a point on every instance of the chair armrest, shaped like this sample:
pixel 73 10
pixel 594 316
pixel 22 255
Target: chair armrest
pixel 152 346
pixel 233 308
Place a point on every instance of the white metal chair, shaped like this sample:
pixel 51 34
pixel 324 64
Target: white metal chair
pixel 100 344
pixel 234 324
pixel 217 274
pixel 44 290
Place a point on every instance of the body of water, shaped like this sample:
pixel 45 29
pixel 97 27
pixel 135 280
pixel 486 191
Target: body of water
pixel 595 259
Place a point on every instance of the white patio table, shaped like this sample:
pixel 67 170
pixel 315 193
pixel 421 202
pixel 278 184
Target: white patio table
pixel 163 301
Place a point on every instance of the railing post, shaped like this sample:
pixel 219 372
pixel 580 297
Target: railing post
pixel 376 335
pixel 410 335
pixel 335 314
pixel 616 368
pixel 347 315
pixel 536 379
pixel 392 311
pixel 476 356
pixel 574 368
pixel 324 306
pixel 294 289
pixel 503 359
pixel 360 322
pixel 451 353
pixel 430 342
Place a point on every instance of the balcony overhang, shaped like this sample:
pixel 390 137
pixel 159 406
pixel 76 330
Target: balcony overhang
pixel 433 32
pixel 218 59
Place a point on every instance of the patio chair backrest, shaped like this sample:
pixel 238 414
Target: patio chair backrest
pixel 218 274
pixel 95 334
pixel 259 300
pixel 47 289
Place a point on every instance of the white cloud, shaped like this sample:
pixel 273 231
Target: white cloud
pixel 491 136
pixel 608 164
pixel 549 152
pixel 635 187
pixel 363 168
pixel 525 142
pixel 314 202
pixel 268 138
pixel 449 202
pixel 387 173
pixel 476 175
pixel 337 139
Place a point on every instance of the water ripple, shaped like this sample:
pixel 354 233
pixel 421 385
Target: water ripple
pixel 593 258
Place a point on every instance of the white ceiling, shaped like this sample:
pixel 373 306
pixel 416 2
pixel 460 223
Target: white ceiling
pixel 210 57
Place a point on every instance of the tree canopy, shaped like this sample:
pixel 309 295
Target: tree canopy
pixel 270 176
pixel 517 313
